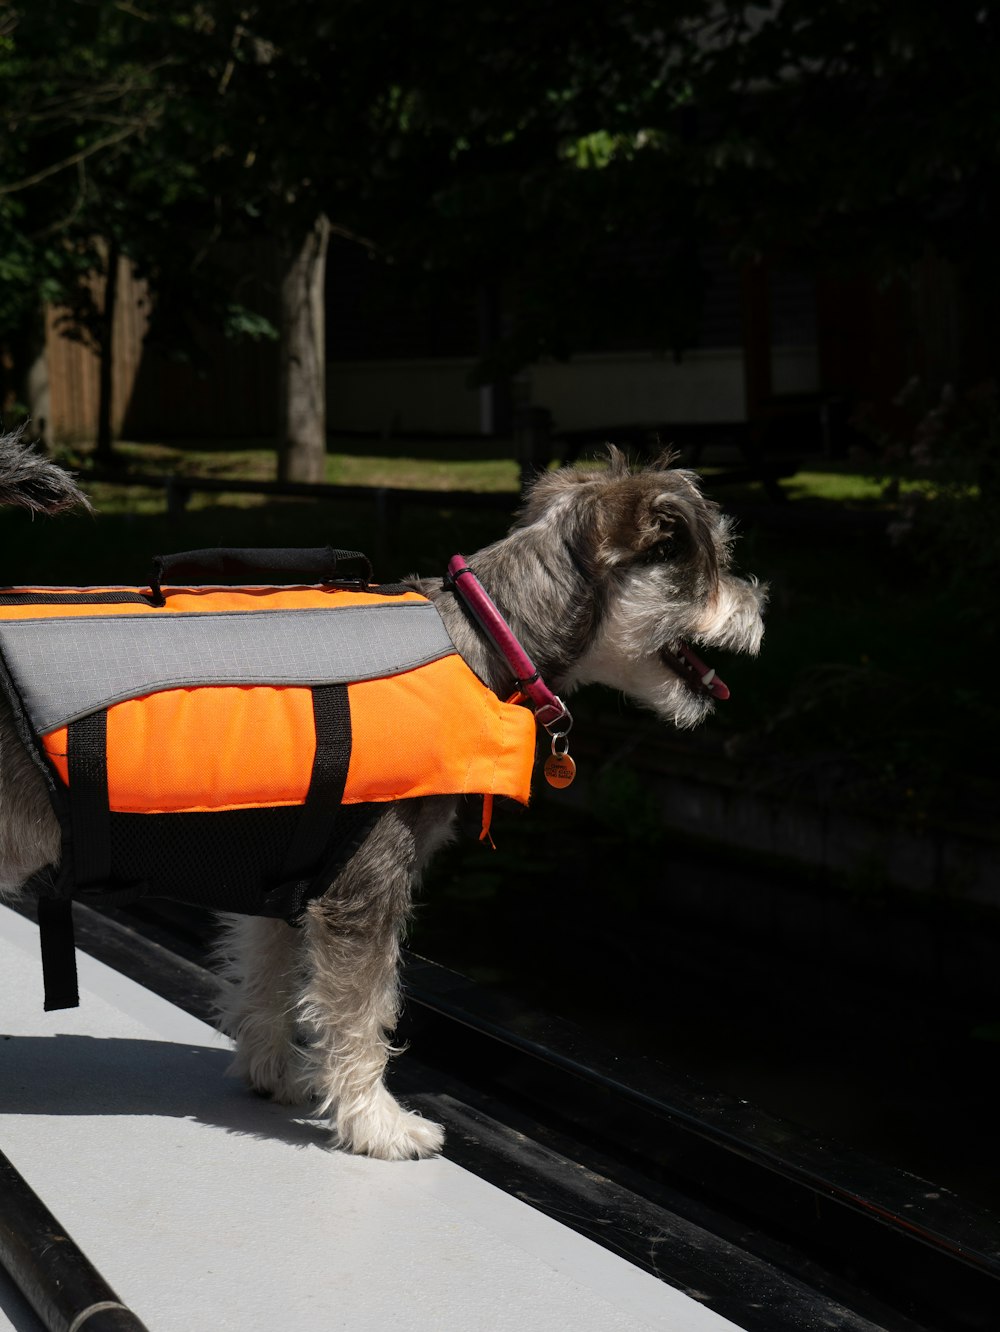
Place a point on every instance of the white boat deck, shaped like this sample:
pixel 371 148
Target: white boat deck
pixel 207 1208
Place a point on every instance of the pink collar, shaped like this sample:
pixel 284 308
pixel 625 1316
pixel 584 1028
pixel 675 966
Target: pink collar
pixel 550 711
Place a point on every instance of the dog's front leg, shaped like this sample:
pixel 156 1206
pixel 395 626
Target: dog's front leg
pixel 261 973
pixel 350 1000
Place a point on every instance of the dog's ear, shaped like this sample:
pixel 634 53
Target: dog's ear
pixel 675 525
pixel 659 523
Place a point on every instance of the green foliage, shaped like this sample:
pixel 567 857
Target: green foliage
pixel 79 95
pixel 852 129
pixel 939 464
pixel 243 323
pixel 493 148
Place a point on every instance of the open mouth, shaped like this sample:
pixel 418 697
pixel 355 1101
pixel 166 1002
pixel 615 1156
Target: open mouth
pixel 693 671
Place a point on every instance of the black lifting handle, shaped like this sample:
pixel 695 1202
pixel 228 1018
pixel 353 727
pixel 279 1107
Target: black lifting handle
pixel 261 564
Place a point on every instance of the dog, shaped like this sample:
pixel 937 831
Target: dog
pixel 610 575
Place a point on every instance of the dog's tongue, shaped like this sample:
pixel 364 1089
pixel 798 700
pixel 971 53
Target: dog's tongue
pixel 716 687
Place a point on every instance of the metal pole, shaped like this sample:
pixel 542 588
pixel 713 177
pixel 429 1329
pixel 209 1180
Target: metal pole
pixel 54 1275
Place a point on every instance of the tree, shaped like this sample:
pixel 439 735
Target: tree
pixel 102 157
pixel 71 104
pixel 857 132
pixel 302 363
pixel 452 150
pixel 522 139
pixel 499 148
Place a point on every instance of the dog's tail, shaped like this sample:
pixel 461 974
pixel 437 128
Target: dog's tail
pixel 33 482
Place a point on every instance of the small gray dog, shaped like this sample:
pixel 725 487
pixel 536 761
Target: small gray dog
pixel 609 575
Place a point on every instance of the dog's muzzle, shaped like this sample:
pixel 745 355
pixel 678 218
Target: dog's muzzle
pixel 686 663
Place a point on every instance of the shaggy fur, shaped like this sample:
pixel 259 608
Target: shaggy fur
pixel 607 571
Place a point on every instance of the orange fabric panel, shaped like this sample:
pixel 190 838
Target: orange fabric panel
pixel 230 747
pixel 269 598
pixel 54 745
pixel 433 731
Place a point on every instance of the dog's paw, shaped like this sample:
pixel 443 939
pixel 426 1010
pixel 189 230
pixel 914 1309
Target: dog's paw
pixel 385 1130
pixel 272 1073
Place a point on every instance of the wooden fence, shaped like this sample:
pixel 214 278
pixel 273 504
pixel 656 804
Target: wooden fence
pixel 228 390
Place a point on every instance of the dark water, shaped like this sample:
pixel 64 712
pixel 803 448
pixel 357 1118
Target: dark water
pixel 871 1021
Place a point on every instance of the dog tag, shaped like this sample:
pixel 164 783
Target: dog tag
pixel 559 771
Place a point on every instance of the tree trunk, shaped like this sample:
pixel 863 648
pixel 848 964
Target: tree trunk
pixel 302 353
pixel 104 451
pixel 30 376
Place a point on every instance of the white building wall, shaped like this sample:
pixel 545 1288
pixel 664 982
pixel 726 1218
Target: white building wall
pixel 399 396
pixel 626 388
pixel 621 388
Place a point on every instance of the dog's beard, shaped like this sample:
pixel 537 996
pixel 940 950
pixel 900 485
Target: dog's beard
pixel 652 640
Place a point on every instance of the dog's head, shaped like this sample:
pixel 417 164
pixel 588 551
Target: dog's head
pixel 651 558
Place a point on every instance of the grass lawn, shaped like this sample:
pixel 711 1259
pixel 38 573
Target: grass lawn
pixel 485 465
pixel 444 465
pixel 361 462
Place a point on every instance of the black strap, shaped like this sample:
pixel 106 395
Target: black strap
pixel 223 564
pixel 55 932
pixel 87 761
pixel 306 853
pixel 90 847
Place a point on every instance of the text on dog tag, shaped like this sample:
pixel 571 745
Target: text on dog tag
pixel 559 770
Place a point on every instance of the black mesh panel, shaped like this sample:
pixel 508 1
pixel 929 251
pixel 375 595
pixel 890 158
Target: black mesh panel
pixel 227 860
pixel 218 859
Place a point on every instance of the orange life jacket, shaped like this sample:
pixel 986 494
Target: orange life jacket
pixel 231 747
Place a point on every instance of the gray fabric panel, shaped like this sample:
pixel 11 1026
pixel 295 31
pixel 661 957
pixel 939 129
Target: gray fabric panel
pixel 66 668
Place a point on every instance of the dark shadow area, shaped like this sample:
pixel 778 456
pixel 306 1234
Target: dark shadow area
pixel 860 1018
pixel 118 548
pixel 86 1075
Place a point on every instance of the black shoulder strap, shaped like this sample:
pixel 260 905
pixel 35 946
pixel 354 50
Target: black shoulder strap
pixel 332 719
pixel 87 762
pixel 90 847
pixel 55 933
